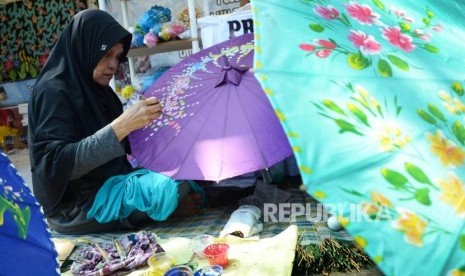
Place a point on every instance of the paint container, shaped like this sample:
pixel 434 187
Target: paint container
pixel 161 262
pixel 211 270
pixel 217 254
pixel 181 270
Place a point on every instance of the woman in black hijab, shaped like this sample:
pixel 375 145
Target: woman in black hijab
pixel 78 131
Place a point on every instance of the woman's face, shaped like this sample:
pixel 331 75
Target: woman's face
pixel 108 65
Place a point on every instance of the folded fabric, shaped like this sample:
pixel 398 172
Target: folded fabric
pixel 143 190
pixel 116 258
pixel 244 222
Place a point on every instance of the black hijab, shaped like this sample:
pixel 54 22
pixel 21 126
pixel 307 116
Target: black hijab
pixel 67 106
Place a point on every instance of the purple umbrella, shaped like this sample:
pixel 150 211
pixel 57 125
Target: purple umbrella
pixel 217 122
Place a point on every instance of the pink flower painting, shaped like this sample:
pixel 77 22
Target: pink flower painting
pixel 369 34
pixel 328 12
pixel 322 48
pixel 362 13
pixel 365 43
pixel 397 38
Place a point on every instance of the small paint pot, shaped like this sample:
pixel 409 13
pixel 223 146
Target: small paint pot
pixel 217 254
pixel 211 270
pixel 161 262
pixel 181 270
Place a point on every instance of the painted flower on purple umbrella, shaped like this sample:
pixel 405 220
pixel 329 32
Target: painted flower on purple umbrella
pixel 174 104
pixel 180 85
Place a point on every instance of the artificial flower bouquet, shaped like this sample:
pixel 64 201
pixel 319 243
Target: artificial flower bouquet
pixel 155 26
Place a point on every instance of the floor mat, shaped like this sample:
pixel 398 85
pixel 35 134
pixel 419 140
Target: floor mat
pixel 318 250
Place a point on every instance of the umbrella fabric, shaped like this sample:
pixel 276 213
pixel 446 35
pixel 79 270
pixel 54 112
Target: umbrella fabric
pixel 26 247
pixel 370 94
pixel 217 122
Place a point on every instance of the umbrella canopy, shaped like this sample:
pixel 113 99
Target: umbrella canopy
pixel 371 95
pixel 26 247
pixel 217 122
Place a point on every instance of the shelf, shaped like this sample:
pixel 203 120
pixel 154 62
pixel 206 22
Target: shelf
pixel 175 45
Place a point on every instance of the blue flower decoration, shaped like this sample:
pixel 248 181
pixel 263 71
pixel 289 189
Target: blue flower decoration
pixel 156 16
pixel 137 38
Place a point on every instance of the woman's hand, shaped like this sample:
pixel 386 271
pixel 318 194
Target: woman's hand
pixel 136 116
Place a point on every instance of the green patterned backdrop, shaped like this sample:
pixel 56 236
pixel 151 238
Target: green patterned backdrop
pixel 28 31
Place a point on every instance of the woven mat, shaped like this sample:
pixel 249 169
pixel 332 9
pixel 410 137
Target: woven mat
pixel 212 221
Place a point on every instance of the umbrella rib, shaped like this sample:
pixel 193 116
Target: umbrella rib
pixel 224 133
pixel 205 123
pixel 249 123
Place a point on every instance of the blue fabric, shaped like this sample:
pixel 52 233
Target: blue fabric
pixel 144 190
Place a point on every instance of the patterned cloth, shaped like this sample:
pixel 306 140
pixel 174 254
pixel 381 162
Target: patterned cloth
pixel 29 31
pixel 115 257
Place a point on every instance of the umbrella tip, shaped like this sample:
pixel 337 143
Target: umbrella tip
pixel 226 64
pixel 229 73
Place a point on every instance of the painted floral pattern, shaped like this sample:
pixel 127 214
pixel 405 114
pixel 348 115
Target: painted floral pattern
pixel 453 193
pixel 377 36
pixel 11 199
pixel 371 95
pixel 176 90
pixel 28 31
pixel 412 226
pixel 363 115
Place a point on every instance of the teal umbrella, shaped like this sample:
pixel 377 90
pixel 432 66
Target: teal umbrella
pixel 370 94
